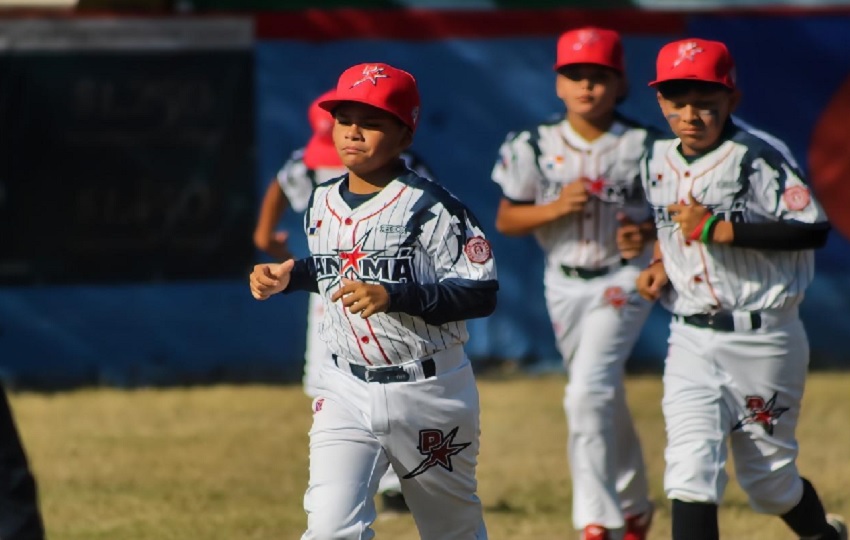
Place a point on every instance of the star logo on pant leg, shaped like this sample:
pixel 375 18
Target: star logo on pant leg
pixel 438 449
pixel 762 413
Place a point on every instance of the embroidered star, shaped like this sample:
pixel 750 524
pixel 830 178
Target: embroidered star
pixel 351 260
pixel 595 186
pixel 585 37
pixel 372 74
pixel 439 454
pixel 687 51
pixel 764 414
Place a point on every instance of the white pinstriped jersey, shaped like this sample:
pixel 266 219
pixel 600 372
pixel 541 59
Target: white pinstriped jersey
pixel 413 230
pixel 748 178
pixel 534 165
pixel 297 181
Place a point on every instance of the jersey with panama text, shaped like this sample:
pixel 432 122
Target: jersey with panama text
pixel 412 231
pixel 536 164
pixel 749 178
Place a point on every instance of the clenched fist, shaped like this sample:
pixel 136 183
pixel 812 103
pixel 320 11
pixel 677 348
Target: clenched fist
pixel 269 279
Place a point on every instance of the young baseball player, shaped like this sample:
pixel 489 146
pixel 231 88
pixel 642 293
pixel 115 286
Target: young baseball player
pixel 737 229
pixel 574 183
pixel 307 167
pixel 400 264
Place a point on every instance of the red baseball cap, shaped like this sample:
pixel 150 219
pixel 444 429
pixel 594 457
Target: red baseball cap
pixel 381 86
pixel 320 150
pixel 695 60
pixel 591 46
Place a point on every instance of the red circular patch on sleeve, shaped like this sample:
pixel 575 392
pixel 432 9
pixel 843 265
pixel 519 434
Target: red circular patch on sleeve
pixel 796 198
pixel 478 250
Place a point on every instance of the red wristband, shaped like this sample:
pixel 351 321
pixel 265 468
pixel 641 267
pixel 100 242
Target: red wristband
pixel 694 236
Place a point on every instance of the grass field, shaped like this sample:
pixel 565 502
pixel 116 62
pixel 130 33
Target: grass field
pixel 229 462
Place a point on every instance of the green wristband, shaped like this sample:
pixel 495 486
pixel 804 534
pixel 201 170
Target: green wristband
pixel 705 237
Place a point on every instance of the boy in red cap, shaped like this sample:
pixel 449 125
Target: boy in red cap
pixel 737 229
pixel 574 183
pixel 307 167
pixel 400 264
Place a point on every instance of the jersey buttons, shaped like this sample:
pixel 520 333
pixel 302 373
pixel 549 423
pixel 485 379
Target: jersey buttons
pixel 348 221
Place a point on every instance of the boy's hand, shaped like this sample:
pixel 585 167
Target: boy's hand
pixel 363 298
pixel 688 216
pixel 269 279
pixel 572 198
pixel 651 281
pixel 630 237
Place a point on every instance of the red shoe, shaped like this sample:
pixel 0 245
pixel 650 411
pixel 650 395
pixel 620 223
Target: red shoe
pixel 595 532
pixel 637 526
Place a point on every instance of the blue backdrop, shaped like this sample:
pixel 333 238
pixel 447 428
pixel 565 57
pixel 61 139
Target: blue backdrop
pixel 474 92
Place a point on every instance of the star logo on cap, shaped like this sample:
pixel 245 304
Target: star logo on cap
pixel 585 37
pixel 687 51
pixel 372 74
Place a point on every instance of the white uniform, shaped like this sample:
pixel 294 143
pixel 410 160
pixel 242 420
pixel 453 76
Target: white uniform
pixel 738 352
pixel 420 412
pixel 592 300
pixel 297 182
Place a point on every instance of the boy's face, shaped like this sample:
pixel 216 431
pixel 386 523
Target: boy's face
pixel 697 117
pixel 367 138
pixel 589 90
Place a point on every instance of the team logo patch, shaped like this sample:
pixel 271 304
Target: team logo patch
pixel 477 250
pixel 616 297
pixel 314 227
pixel 594 187
pixel 437 449
pixel 761 413
pixel 687 51
pixel 796 198
pixel 584 38
pixel 371 74
pixel 318 404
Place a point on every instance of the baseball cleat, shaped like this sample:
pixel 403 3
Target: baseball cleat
pixel 837 523
pixel 637 527
pixel 595 532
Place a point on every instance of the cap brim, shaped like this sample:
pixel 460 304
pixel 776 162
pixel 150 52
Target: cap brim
pixel 656 82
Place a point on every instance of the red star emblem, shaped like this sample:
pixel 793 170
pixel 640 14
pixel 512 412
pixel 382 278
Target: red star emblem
pixel 438 449
pixel 595 186
pixel 351 259
pixel 763 413
pixel 372 74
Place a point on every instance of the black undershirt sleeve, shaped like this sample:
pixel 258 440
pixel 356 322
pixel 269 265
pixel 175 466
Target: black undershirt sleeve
pixel 448 301
pixel 780 235
pixel 303 277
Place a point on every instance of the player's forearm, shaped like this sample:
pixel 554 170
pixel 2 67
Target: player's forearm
pixel 303 277
pixel 273 205
pixel 778 236
pixel 444 302
pixel 515 219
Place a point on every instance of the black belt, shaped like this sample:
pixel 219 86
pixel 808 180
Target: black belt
pixel 722 321
pixel 588 273
pixel 388 374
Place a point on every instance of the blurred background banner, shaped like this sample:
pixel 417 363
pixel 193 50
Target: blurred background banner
pixel 130 174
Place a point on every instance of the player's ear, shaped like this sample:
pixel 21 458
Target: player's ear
pixel 406 138
pixel 734 99
pixel 623 91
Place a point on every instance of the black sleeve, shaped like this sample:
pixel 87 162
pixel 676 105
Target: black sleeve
pixel 448 301
pixel 303 277
pixel 780 235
